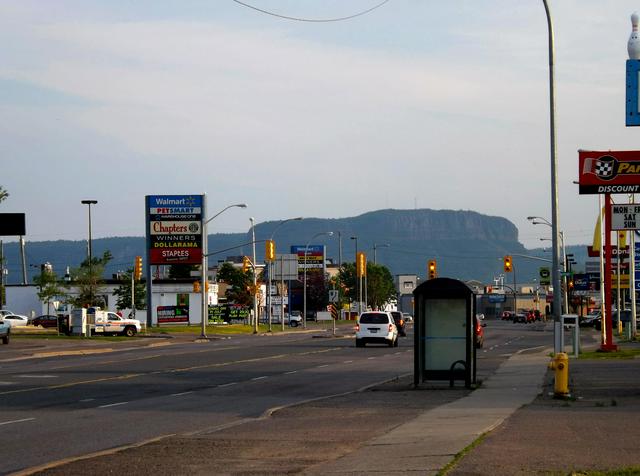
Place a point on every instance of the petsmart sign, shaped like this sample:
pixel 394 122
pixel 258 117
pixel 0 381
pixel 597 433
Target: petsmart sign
pixel 174 228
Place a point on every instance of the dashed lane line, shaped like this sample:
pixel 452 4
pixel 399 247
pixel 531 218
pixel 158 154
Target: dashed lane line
pixel 16 421
pixel 108 405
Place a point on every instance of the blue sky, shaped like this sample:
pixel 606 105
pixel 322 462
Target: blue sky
pixel 440 105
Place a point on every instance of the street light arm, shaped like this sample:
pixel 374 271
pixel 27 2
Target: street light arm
pixel 239 205
pixel 282 223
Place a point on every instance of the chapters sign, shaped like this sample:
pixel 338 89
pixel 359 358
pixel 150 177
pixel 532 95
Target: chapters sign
pixel 174 229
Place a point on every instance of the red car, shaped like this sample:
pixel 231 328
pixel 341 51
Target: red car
pixel 478 332
pixel 506 316
pixel 46 321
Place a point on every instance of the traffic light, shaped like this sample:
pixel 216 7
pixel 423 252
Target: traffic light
pixel 432 268
pixel 246 264
pixel 508 265
pixel 137 269
pixel 571 284
pixel 270 250
pixel 361 264
pixel 196 287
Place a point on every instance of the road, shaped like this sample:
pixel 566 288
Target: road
pixel 61 407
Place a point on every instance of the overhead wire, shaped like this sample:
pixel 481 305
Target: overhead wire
pixel 311 20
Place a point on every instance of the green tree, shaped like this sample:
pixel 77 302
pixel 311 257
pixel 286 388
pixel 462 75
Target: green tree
pixel 239 284
pixel 124 292
pixel 50 287
pixel 88 280
pixel 3 194
pixel 380 285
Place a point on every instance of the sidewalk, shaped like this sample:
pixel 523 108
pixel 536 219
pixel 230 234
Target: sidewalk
pixel 527 430
pixel 430 442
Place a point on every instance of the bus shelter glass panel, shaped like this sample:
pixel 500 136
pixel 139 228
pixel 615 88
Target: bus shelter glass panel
pixel 445 333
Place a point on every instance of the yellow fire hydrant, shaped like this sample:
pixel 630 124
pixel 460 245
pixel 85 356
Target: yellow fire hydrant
pixel 560 364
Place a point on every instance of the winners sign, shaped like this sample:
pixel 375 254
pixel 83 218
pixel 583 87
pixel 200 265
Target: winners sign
pixel 174 229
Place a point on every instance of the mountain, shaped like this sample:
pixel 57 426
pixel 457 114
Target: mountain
pixel 466 244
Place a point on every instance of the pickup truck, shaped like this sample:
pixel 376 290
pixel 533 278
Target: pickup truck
pixel 5 331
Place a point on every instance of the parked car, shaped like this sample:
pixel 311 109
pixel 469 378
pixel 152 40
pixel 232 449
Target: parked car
pixel 5 332
pixel 506 316
pixel 520 317
pixel 399 322
pixel 376 327
pixel 15 320
pixel 4 312
pixel 479 332
pixel 407 317
pixel 46 321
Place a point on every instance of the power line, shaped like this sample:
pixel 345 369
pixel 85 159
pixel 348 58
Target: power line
pixel 312 20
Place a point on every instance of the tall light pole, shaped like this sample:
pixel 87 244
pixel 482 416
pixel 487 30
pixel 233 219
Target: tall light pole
pixel 271 268
pixel 375 247
pixel 555 274
pixel 255 282
pixel 89 249
pixel 304 290
pixel 205 263
pixel 358 284
pixel 544 221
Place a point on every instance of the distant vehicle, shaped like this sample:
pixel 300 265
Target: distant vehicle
pixel 399 322
pixel 590 319
pixel 376 327
pixel 480 316
pixel 507 316
pixel 5 332
pixel 520 317
pixel 4 312
pixel 101 322
pixel 15 320
pixel 407 317
pixel 46 321
pixel 479 332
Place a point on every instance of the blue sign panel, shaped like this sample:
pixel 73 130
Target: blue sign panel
pixel 632 109
pixel 174 201
pixel 495 298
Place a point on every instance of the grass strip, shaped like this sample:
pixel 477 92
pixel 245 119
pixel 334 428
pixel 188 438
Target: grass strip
pixel 461 454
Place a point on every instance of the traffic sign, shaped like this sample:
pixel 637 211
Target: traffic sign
pixel 333 295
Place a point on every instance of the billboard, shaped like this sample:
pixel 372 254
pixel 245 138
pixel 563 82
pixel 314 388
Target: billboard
pixel 12 224
pixel 608 171
pixel 174 229
pixel 312 259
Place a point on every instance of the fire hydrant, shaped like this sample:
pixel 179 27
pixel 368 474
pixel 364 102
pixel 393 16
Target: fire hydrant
pixel 560 364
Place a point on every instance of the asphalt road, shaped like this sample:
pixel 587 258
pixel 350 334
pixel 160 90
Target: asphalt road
pixel 61 407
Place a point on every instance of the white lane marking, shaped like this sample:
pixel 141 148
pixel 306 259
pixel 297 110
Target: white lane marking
pixel 370 358
pixel 113 405
pixel 291 372
pixel 7 383
pixel 85 400
pixel 397 353
pixel 16 421
pixel 322 366
pixel 37 376
pixel 227 384
pixel 180 394
pixel 259 378
pixel 347 362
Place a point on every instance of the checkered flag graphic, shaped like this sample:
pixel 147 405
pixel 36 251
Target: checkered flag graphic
pixel 602 167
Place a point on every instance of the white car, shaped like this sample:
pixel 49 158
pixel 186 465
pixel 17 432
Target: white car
pixel 4 312
pixel 15 320
pixel 407 317
pixel 376 327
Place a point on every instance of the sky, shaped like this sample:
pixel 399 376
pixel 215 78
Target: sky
pixel 417 104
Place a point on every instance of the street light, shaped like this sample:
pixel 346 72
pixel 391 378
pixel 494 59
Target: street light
pixel 355 276
pixel 375 247
pixel 557 324
pixel 255 284
pixel 269 264
pixel 555 270
pixel 89 249
pixel 205 266
pixel 304 291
